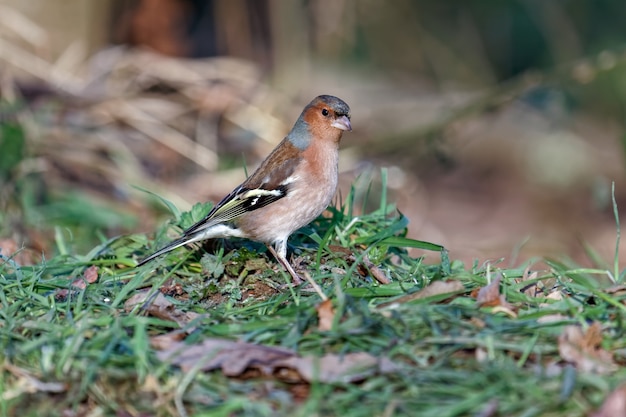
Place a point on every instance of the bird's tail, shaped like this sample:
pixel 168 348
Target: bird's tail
pixel 182 241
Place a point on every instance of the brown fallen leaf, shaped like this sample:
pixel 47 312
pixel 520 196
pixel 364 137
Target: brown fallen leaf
pixel 376 273
pixel 61 294
pixel 450 287
pixel 173 289
pixel 614 404
pixel 325 315
pixel 584 351
pixel 159 306
pixel 367 267
pixel 351 367
pixel 489 296
pixel 234 358
pixel 90 275
pixel 340 249
pixel 165 341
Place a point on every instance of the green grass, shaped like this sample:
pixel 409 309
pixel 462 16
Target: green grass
pixel 80 351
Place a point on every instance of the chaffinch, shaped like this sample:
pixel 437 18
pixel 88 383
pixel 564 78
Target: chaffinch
pixel 291 187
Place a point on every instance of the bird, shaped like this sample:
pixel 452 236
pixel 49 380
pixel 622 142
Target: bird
pixel 290 188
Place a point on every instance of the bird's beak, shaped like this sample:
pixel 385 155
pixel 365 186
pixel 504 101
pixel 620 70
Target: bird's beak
pixel 342 123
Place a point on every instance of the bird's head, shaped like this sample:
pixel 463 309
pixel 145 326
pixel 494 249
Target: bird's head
pixel 324 118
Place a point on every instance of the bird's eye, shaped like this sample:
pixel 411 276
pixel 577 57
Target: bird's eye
pixel 324 112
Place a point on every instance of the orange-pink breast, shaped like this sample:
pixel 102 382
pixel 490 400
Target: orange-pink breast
pixel 311 189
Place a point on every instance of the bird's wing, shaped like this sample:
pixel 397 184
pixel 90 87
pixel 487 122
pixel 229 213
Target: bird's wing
pixel 262 188
pixel 240 201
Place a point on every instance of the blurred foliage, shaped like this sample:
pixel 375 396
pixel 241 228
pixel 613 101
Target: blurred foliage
pixel 142 118
pixel 578 45
pixel 11 148
pixel 30 204
pixel 515 36
pixel 506 37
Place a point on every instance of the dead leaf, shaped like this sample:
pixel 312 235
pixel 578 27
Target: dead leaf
pixel 159 306
pixel 489 296
pixel 89 277
pixel 368 267
pixel 235 358
pixel 377 273
pixel 593 337
pixel 614 404
pixel 166 341
pixel 340 249
pixel 584 351
pixel 350 367
pixel 325 315
pixel 555 294
pixel 231 356
pixel 173 289
pixel 91 274
pixel 435 288
pixel 61 294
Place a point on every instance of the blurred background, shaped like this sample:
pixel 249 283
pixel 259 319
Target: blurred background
pixel 501 123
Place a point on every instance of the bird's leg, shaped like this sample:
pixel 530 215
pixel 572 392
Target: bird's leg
pixel 280 254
